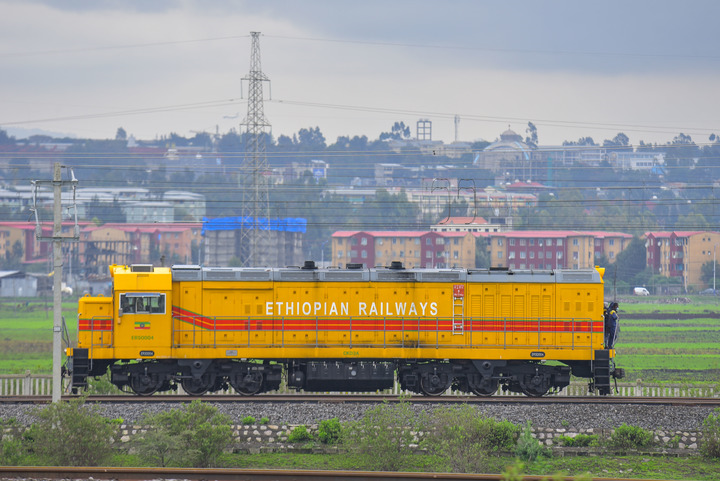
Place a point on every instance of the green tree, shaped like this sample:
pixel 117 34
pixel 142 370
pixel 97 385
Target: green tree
pixel 580 141
pixel 195 435
pixel 463 438
pixel 710 445
pixel 14 256
pixel 631 261
pixel 398 131
pixel 620 140
pixel 708 273
pixel 528 448
pixel 71 433
pixel 13 449
pixel 482 255
pixel 311 139
pixel 104 211
pixel 532 138
pixel 382 439
pixel 5 139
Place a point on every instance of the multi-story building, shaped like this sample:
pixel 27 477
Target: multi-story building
pixel 552 249
pixel 23 235
pixel 138 244
pixel 412 248
pixel 225 241
pixel 681 255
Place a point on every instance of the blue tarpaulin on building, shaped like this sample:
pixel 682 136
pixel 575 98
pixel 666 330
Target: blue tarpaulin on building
pixel 288 224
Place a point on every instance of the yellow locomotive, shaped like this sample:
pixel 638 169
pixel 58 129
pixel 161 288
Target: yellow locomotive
pixel 353 329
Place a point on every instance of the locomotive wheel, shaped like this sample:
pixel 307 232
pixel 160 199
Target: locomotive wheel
pixel 536 387
pixel 484 388
pixel 433 385
pixel 248 384
pixel 144 384
pixel 197 387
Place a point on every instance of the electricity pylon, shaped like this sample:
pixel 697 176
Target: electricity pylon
pixel 254 171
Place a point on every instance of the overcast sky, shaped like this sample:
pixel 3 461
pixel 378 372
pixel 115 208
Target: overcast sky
pixel 574 68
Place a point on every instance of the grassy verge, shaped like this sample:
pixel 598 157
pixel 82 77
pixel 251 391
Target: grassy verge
pixel 630 467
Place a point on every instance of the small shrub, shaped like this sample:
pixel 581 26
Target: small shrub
pixel 329 431
pixel 710 445
pixel 264 420
pixel 627 437
pixel 579 441
pixel 247 420
pixel 528 448
pixel 12 448
pixel 69 433
pixel 299 434
pixel 195 435
pixel 463 438
pixel 382 439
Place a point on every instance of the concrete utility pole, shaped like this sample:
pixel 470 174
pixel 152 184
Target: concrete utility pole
pixel 57 239
pixel 253 175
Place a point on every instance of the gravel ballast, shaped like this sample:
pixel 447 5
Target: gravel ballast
pixel 578 416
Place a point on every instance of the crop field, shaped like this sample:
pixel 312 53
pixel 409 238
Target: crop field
pixel 670 342
pixel 675 342
pixel 26 333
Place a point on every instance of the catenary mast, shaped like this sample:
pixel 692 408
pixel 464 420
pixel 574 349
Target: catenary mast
pixel 254 171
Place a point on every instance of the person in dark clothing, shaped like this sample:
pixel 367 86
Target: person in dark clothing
pixel 611 325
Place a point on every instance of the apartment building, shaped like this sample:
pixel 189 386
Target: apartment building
pixel 681 254
pixel 412 248
pixel 552 249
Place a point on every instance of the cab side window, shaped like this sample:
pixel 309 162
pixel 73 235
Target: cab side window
pixel 145 303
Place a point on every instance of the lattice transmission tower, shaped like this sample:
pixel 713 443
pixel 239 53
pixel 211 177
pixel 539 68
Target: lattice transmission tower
pixel 254 234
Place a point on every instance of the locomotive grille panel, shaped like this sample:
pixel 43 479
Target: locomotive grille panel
pixel 186 275
pixel 385 276
pixel 213 275
pixel 576 277
pixel 297 276
pixel 253 275
pixel 346 276
pixel 441 276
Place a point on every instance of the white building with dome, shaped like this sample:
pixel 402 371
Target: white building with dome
pixel 509 155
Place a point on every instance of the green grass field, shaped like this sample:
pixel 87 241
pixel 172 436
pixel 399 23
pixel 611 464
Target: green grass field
pixel 681 344
pixel 26 334
pixel 672 347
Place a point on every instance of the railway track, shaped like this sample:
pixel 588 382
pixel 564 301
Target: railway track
pixel 340 399
pixel 141 474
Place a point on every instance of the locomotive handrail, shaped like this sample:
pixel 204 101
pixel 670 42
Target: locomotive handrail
pixel 92 330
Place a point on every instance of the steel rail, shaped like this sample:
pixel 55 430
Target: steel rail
pixel 375 398
pixel 230 474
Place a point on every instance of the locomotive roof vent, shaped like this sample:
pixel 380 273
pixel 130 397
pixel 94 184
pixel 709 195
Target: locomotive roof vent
pixel 353 266
pixel 396 265
pixel 141 268
pixel 309 266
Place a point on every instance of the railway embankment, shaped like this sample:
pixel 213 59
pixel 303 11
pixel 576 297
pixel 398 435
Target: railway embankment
pixel 674 427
